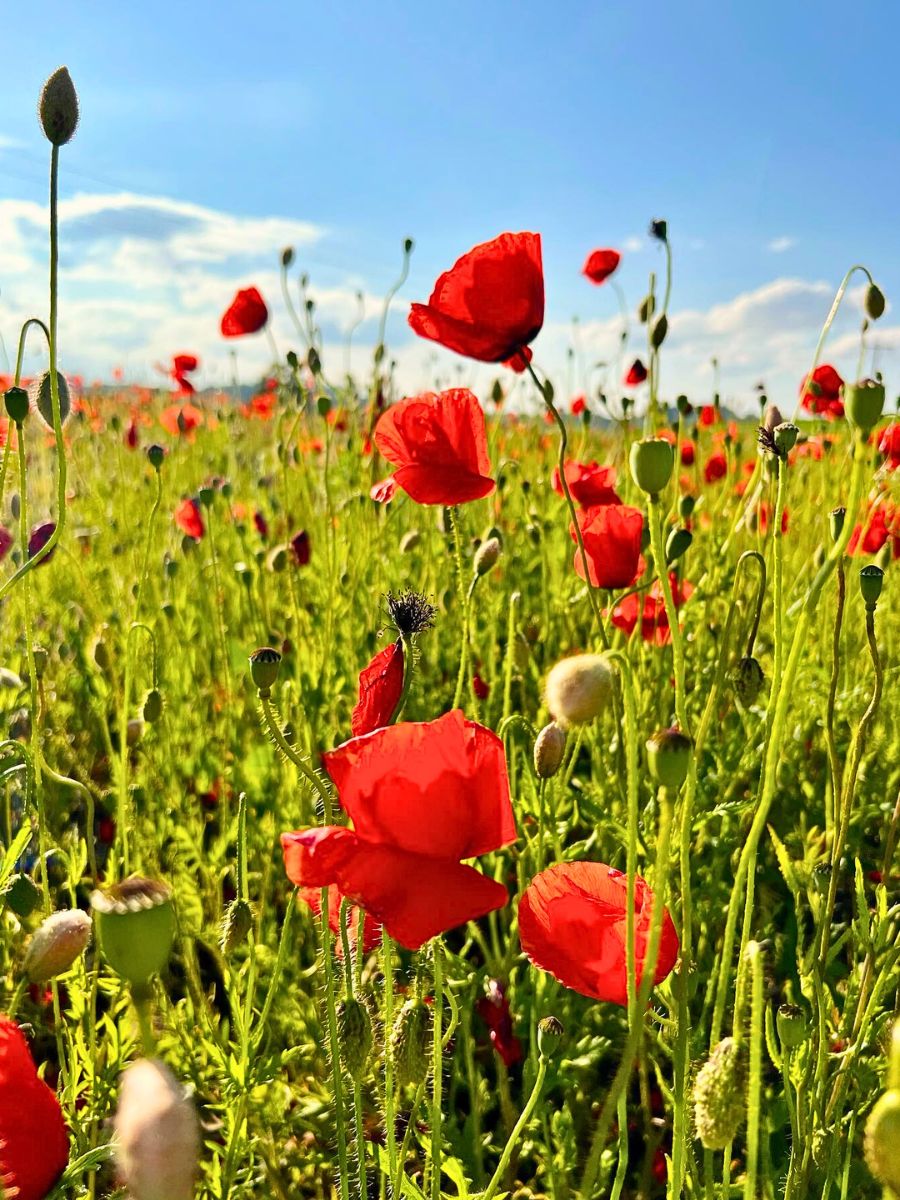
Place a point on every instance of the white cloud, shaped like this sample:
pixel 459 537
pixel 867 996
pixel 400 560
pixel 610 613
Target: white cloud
pixel 633 244
pixel 780 244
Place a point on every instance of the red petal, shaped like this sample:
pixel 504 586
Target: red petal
pixel 312 896
pixel 380 687
pixel 34 1142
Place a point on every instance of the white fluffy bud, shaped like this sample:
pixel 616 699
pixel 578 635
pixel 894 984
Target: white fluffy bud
pixel 579 688
pixel 56 944
pixel 156 1132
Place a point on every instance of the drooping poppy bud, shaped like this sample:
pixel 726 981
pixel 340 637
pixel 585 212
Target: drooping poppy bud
pixel 486 556
pixel 17 404
pixel 579 688
pixel 874 302
pixel 677 543
pixel 22 896
pixel 549 747
pixel 720 1095
pixel 354 1037
pixel 864 403
pixel 42 398
pixel 659 331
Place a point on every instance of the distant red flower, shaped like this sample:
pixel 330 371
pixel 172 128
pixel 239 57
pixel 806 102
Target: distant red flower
pixel 34 1142
pixel 300 548
pixel 869 537
pixel 612 542
pixel 312 898
pixel 709 414
pixel 261 407
pixel 518 363
pixel 437 445
pixel 637 373
pixel 422 797
pixel 6 540
pixel 189 520
pixel 572 925
pixel 481 689
pixel 889 445
pixel 247 313
pixel 578 406
pixel 494 1010
pixel 380 689
pixel 600 264
pixel 179 419
pixel 823 393
pixel 589 483
pixel 260 524
pixel 687 454
pixel 764 518
pixel 131 435
pixel 384 491
pixel 182 366
pixel 715 467
pixel 39 537
pixel 490 304
pixel 650 610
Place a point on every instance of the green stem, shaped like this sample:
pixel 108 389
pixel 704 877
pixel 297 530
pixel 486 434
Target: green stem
pixel 390 1128
pixel 659 558
pixel 337 1082
pixel 518 1130
pixel 437 1071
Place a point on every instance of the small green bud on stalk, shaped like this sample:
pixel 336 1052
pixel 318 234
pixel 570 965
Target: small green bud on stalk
pixel 153 706
pixel 549 1036
pixel 58 108
pixel 287 256
pixel 720 1095
pixel 669 755
pixel 136 927
pixel 836 522
pixel 40 394
pixel 684 406
pixel 579 688
pixel 41 657
pixel 871 581
pixel 354 1037
pixel 686 506
pixel 864 403
pixel 155 454
pixel 875 302
pixel 264 667
pixel 486 556
pixel 882 1140
pixel 677 543
pixel 22 896
pixel 17 404
pixel 652 461
pixel 56 944
pixel 748 680
pixel 549 747
pixel 157 1136
pixel 410 1040
pixel 791 1024
pixel 236 925
pixel 206 496
pixel 785 438
pixel 314 362
pixel 647 308
pixel 659 331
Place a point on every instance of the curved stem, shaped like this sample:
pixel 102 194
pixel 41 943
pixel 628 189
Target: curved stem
pixel 518 1130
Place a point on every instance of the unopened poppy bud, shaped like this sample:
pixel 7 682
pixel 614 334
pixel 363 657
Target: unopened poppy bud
pixel 686 506
pixel 134 731
pixel 56 944
pixel 684 406
pixel 408 245
pixel 410 540
pixel 579 688
pixel 659 229
pixel 791 1024
pixel 236 924
pixel 677 543
pixel 287 256
pixel 40 657
pixel 152 706
pixel 58 108
pixel 785 437
pixel 486 556
pixel 157 1137
pixel 874 302
pixel 647 308
pixel 354 1037
pixel 156 454
pixel 136 927
pixel 100 653
pixel 22 896
pixel 409 1043
pixel 206 495
pixel 264 667
pixel 748 680
pixel 41 396
pixel 17 405
pixel 836 521
pixel 871 581
pixel 669 757
pixel 720 1095
pixel 549 747
pixel 651 460
pixel 315 365
pixel 497 392
pixel 772 419
pixel 864 403
pixel 659 331
pixel 882 1141
pixel 549 1036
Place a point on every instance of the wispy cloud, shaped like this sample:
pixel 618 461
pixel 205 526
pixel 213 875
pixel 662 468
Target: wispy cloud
pixel 780 244
pixel 633 244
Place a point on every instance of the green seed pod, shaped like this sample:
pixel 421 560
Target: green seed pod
pixel 17 404
pixel 549 1036
pixel 659 331
pixel 56 944
pixel 748 680
pixel 135 927
pixel 549 747
pixel 836 522
pixel 354 1037
pixel 864 403
pixel 410 540
pixel 410 1039
pixel 669 757
pixel 264 666
pixel 871 581
pixel 785 437
pixel 652 461
pixel 677 543
pixel 790 1021
pixel 156 454
pixel 882 1141
pixel 720 1095
pixel 236 924
pixel 58 108
pixel 153 706
pixel 579 688
pixel 40 394
pixel 874 302
pixel 22 896
pixel 486 556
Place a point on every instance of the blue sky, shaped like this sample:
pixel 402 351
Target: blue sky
pixel 767 134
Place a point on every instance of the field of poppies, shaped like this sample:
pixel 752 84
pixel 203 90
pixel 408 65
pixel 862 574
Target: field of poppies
pixel 406 797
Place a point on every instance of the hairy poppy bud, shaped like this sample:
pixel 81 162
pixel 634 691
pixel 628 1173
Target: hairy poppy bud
pixel 785 437
pixel 153 706
pixel 409 1043
pixel 748 680
pixel 58 107
pixel 677 543
pixel 647 308
pixel 579 688
pixel 836 522
pixel 486 556
pixel 287 256
pixel 549 1035
pixel 874 302
pixel 157 1137
pixel 41 397
pixel 669 757
pixel 56 944
pixel 882 1141
pixel 719 1095
pixel 22 896
pixel 410 540
pixel 354 1037
pixel 864 403
pixel 136 927
pixel 156 454
pixel 549 747
pixel 651 460
pixel 236 924
pixel 264 666
pixel 871 581
pixel 790 1022
pixel 659 331
pixel 686 506
pixel 17 405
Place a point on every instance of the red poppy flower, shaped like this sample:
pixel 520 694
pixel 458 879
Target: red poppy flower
pixel 422 797
pixel 494 1010
pixel 764 518
pixel 189 520
pixel 612 543
pixel 380 688
pixel 709 414
pixel 637 373
pixel 183 364
pixel 687 454
pixel 383 491
pixel 889 445
pixel 650 611
pixel 519 361
pixel 247 313
pixel 34 1143
pixel 715 468
pixel 572 925
pixel 260 524
pixel 578 406
pixel 312 898
pixel 438 447
pixel 39 537
pixel 6 540
pixel 600 264
pixel 300 548
pixel 822 394
pixel 131 435
pixel 490 304
pixel 481 689
pixel 589 483
pixel 180 419
pixel 869 537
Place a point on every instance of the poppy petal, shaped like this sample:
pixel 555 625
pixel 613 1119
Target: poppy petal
pixel 380 688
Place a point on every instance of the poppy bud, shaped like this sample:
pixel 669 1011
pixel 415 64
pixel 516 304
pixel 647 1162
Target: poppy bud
pixel 100 653
pixel 156 454
pixel 410 540
pixel 659 229
pixel 669 757
pixel 264 666
pixel 821 878
pixel 42 399
pixel 58 107
pixel 871 581
pixel 287 256
pixel 647 308
pixel 719 1095
pixel 17 405
pixel 156 1134
pixel 55 945
pixel 864 403
pixel 315 365
pixel 836 521
pixel 686 506
pixel 206 495
pixel 409 1043
pixel 236 924
pixel 134 731
pixel 772 419
pixel 355 1037
pixel 882 1141
pixel 549 1035
pixel 153 706
pixel 408 245
pixel 486 556
pixel 874 302
pixel 652 460
pixel 684 406
pixel 677 544
pixel 659 331
pixel 748 680
pixel 135 927
pixel 785 437
pixel 22 896
pixel 791 1024
pixel 549 746
pixel 579 688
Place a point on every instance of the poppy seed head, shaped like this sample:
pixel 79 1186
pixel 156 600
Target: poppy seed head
pixel 410 612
